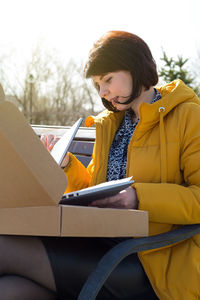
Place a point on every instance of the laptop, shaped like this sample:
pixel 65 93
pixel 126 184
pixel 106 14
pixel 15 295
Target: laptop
pixel 61 148
pixel 85 196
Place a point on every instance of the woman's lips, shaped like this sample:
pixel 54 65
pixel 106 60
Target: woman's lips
pixel 114 100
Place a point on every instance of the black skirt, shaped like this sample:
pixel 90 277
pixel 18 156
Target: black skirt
pixel 73 259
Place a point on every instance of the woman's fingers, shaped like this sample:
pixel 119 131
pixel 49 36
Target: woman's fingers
pixel 52 142
pixel 106 202
pixel 65 161
pixel 49 141
pixel 124 199
pixel 43 139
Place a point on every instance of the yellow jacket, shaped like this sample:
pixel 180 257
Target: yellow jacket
pixel 164 160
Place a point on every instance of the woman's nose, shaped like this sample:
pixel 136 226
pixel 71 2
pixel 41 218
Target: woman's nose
pixel 103 91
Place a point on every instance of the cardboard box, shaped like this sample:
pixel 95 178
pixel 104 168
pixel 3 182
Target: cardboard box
pixel 32 184
pixel 103 222
pixel 37 221
pixel 73 221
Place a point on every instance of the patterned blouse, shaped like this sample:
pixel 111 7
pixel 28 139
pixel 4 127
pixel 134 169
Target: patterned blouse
pixel 118 151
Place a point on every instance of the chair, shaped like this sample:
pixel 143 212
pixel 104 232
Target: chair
pixel 114 256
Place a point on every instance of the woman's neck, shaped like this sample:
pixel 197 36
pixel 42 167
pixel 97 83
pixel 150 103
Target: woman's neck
pixel 145 96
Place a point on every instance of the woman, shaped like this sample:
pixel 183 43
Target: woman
pixel 152 134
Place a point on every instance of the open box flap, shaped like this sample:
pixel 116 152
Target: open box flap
pixel 29 176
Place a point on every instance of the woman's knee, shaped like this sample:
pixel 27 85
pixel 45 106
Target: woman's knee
pixel 19 288
pixel 11 248
pixel 26 257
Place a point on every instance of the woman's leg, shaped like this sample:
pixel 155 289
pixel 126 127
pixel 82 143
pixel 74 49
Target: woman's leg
pixel 19 288
pixel 73 259
pixel 25 270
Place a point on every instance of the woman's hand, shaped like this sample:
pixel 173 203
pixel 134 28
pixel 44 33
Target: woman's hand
pixel 49 141
pixel 124 199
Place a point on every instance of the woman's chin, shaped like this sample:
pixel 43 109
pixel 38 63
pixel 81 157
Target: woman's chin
pixel 120 107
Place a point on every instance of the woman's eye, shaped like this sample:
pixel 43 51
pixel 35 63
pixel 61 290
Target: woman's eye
pixel 108 80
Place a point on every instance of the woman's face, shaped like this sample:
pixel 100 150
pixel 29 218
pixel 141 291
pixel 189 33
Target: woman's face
pixel 116 87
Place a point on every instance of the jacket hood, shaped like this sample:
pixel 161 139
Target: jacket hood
pixel 173 94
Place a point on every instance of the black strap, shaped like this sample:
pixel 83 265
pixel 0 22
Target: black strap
pixel 114 256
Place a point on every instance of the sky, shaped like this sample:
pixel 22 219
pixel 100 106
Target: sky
pixel 72 26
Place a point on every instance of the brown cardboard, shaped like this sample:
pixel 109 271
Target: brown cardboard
pixel 38 221
pixel 73 221
pixel 29 176
pixel 103 222
pixel 2 95
pixel 32 184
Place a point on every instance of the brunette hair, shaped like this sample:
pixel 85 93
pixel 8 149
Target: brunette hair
pixel 120 50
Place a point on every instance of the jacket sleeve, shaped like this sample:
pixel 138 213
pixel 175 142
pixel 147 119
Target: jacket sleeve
pixel 78 176
pixel 172 203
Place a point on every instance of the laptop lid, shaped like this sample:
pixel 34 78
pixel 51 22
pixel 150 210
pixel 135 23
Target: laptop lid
pixel 86 196
pixel 61 148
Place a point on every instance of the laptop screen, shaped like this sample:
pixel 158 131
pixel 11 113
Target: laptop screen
pixel 61 148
